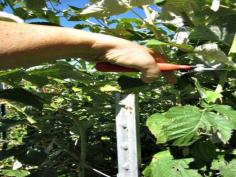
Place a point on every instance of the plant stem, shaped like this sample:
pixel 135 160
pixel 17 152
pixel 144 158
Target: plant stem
pixel 82 152
pixel 223 79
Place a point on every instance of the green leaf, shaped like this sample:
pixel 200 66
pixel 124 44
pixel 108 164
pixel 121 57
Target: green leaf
pixel 203 33
pixel 212 52
pixel 229 170
pixel 183 47
pixel 35 5
pixel 15 173
pixel 62 70
pixel 224 18
pixel 158 1
pixel 232 52
pixel 154 42
pixel 177 7
pixel 186 121
pixel 227 111
pixel 203 152
pixel 218 162
pixel 163 165
pixel 38 80
pixel 22 96
pixel 212 97
pixel 206 94
pixel 219 124
pixel 233 46
pixel 11 77
pixel 156 124
pixel 107 8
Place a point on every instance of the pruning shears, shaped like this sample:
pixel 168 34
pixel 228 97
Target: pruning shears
pixel 164 67
pixel 125 81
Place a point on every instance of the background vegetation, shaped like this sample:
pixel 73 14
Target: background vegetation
pixel 59 119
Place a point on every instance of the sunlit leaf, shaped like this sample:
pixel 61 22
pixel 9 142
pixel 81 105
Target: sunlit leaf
pixel 163 165
pixel 232 52
pixel 156 124
pixel 105 8
pixel 15 173
pixel 158 1
pixel 186 123
pixel 207 95
pixel 229 170
pixel 226 111
pixel 211 52
pixel 183 47
pixel 219 124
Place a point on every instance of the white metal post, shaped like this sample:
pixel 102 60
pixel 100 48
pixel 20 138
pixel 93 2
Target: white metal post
pixel 2 113
pixel 127 132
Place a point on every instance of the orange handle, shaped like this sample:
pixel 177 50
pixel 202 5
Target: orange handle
pixel 164 67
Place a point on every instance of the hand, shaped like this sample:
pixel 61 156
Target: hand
pixel 128 54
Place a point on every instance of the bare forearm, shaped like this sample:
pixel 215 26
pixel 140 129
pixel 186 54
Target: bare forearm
pixel 28 45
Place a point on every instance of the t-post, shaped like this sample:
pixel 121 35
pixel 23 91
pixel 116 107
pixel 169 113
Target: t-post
pixel 127 133
pixel 2 113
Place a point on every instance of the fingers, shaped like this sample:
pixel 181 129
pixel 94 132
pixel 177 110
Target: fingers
pixel 170 77
pixel 151 69
pixel 150 74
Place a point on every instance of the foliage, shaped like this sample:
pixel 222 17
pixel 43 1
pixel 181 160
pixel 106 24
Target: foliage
pixel 60 117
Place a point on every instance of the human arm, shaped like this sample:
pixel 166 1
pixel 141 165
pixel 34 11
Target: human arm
pixel 29 45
